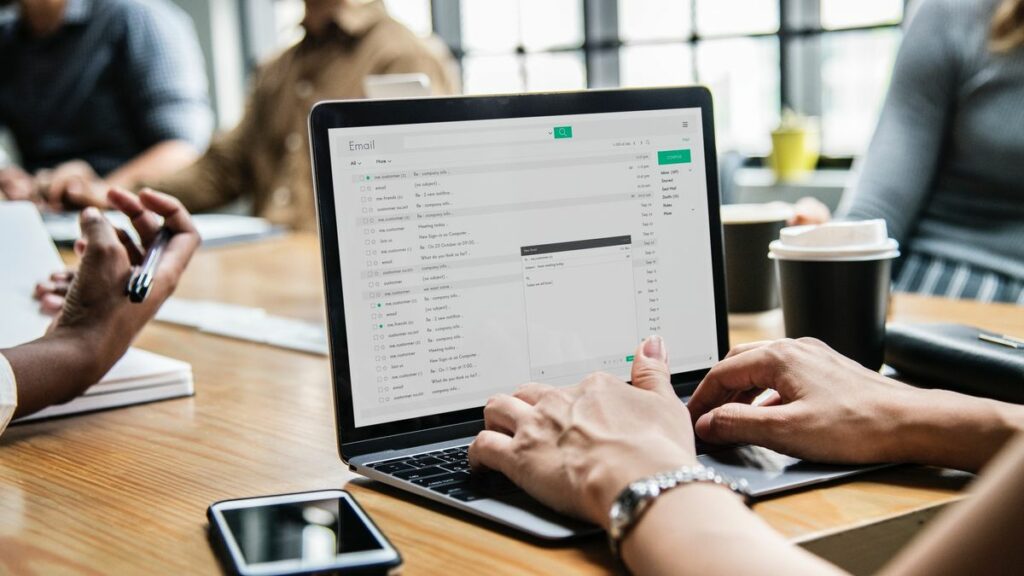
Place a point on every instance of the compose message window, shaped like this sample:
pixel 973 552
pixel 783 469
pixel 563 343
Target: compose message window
pixel 477 256
pixel 580 301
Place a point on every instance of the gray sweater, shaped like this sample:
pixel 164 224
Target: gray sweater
pixel 946 165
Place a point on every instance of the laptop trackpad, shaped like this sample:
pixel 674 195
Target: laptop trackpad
pixel 768 471
pixel 519 510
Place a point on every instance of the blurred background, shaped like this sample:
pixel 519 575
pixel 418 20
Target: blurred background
pixel 826 59
pixel 829 59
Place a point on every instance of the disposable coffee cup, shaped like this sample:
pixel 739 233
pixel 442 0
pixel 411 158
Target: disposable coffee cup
pixel 748 229
pixel 834 283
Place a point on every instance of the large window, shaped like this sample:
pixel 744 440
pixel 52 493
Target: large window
pixel 829 59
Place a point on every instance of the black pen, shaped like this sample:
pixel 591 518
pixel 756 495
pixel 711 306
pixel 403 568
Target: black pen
pixel 142 277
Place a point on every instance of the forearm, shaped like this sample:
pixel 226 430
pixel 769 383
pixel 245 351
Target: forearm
pixel 157 161
pixel 702 529
pixel 980 535
pixel 59 367
pixel 216 178
pixel 944 428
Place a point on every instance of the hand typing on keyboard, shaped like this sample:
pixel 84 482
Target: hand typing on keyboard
pixel 447 471
pixel 576 448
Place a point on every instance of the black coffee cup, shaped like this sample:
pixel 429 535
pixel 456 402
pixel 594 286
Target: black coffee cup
pixel 834 282
pixel 748 229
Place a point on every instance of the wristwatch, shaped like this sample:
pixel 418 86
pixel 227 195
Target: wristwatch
pixel 636 498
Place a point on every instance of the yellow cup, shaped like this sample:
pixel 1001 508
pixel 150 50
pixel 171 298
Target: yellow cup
pixel 795 152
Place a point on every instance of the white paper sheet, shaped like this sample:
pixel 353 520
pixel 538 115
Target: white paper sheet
pixel 27 256
pixel 245 323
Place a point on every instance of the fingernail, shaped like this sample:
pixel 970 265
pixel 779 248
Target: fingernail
pixel 90 213
pixel 654 348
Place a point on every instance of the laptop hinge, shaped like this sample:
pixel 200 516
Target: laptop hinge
pixel 411 439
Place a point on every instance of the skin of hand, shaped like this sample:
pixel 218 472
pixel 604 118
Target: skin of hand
pixel 97 322
pixel 16 184
pixel 51 293
pixel 73 184
pixel 95 297
pixel 808 210
pixel 576 448
pixel 828 408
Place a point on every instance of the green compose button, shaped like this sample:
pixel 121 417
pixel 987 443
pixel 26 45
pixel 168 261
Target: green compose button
pixel 674 156
pixel 629 358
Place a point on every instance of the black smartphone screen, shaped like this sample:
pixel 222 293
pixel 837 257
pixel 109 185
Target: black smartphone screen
pixel 310 531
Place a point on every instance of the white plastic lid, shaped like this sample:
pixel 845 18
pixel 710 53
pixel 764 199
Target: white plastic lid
pixel 842 241
pixel 756 213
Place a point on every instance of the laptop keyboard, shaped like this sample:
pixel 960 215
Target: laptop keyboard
pixel 447 471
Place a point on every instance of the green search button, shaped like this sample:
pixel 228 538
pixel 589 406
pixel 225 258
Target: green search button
pixel 674 156
pixel 563 132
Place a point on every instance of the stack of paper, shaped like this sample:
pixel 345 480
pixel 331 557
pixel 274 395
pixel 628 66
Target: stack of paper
pixel 27 256
pixel 245 323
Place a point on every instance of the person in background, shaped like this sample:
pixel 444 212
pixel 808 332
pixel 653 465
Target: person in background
pixel 265 159
pixel 98 93
pixel 577 448
pixel 97 323
pixel 945 166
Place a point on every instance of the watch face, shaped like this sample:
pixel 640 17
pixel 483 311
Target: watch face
pixel 615 515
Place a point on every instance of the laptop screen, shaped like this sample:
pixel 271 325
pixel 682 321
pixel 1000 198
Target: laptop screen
pixel 480 255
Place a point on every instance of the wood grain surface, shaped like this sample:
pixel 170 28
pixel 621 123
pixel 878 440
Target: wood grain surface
pixel 126 491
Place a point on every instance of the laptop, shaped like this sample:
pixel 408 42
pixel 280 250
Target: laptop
pixel 397 85
pixel 472 244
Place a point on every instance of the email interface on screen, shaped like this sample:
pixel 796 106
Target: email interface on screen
pixel 477 256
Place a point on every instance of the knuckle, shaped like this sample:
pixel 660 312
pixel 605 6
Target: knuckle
pixel 483 442
pixel 490 406
pixel 527 438
pixel 781 351
pixel 648 371
pixel 780 424
pixel 723 422
pixel 106 249
pixel 561 396
pixel 812 342
pixel 531 389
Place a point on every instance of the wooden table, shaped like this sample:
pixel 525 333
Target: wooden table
pixel 126 491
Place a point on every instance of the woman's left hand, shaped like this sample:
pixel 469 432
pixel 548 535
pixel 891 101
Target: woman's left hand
pixel 576 448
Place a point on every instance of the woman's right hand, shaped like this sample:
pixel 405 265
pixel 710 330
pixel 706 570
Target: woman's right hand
pixel 828 408
pixel 823 406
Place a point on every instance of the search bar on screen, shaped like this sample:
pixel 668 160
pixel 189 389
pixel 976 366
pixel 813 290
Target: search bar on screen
pixel 469 139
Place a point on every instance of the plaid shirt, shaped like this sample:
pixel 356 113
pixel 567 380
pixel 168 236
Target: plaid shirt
pixel 118 77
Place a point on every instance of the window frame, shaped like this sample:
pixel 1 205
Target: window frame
pixel 800 81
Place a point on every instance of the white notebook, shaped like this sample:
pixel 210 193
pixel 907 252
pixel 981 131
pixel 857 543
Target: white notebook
pixel 138 377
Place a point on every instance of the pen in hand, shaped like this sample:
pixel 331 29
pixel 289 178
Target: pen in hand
pixel 142 277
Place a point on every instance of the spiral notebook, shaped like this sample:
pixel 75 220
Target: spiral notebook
pixel 138 377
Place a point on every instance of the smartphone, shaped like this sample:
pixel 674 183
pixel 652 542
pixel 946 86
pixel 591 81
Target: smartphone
pixel 304 533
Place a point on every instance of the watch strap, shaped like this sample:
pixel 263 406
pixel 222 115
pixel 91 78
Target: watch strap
pixel 638 496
